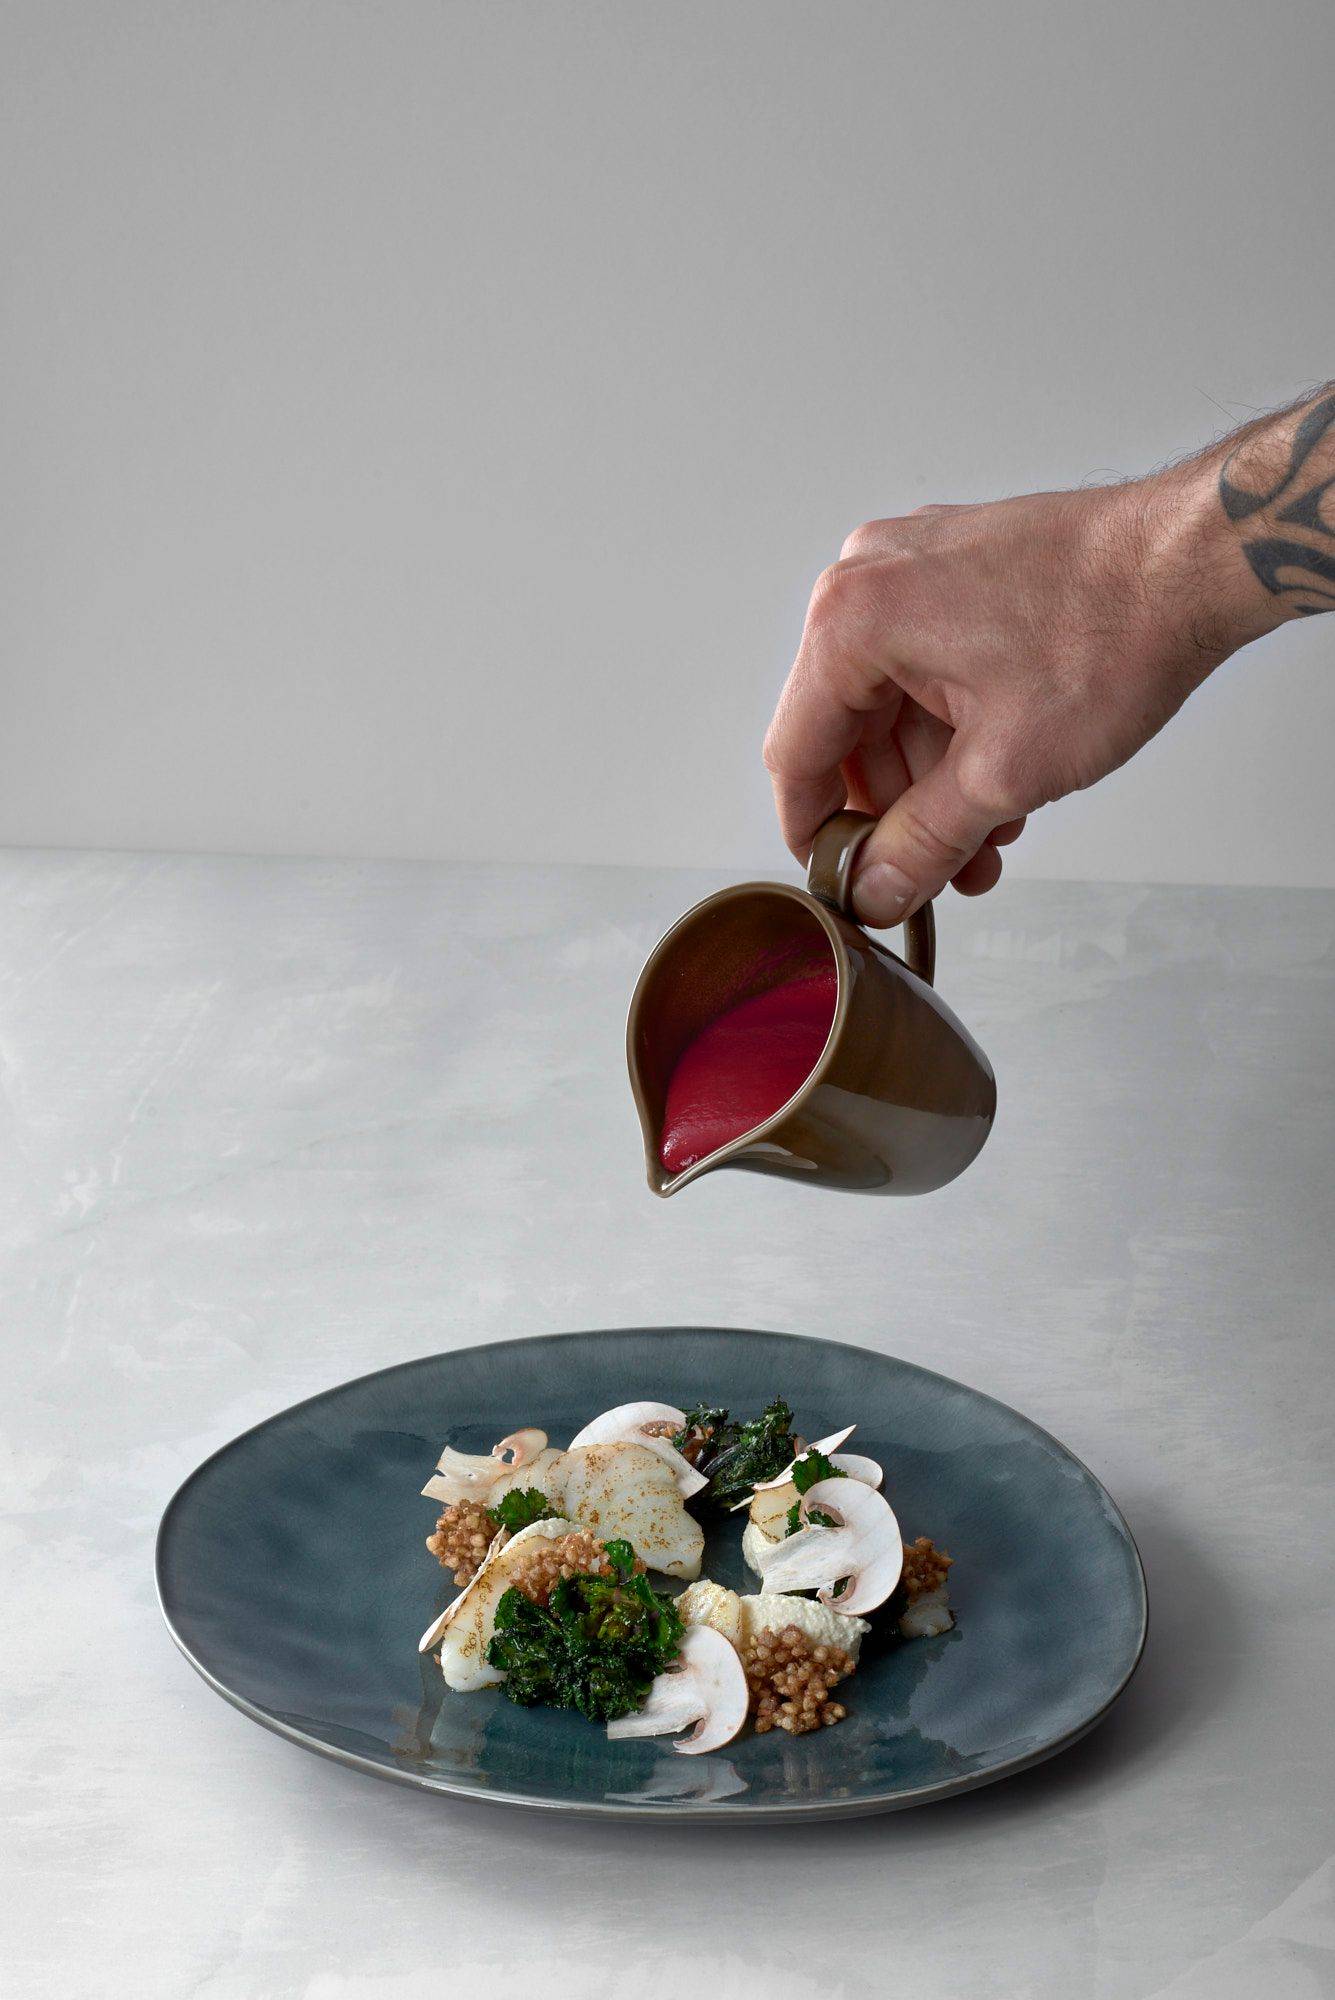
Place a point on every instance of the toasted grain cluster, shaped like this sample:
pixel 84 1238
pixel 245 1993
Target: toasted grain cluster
pixel 693 1441
pixel 464 1533
pixel 925 1566
pixel 790 1678
pixel 578 1554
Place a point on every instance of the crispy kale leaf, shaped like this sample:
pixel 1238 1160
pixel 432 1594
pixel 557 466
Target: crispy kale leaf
pixel 707 1431
pixel 520 1508
pixel 734 1456
pixel 595 1648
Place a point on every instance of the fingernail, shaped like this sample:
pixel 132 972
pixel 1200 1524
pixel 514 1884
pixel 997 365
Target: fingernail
pixel 882 893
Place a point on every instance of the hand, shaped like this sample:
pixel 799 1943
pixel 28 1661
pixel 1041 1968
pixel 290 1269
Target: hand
pixel 963 666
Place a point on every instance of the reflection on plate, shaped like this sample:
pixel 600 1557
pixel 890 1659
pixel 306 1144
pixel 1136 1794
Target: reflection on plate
pixel 293 1576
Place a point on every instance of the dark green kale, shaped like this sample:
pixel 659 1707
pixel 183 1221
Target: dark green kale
pixel 707 1431
pixel 520 1508
pixel 735 1457
pixel 596 1647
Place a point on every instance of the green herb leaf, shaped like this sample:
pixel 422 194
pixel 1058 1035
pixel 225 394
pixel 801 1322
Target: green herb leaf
pixel 816 1518
pixel 520 1508
pixel 815 1466
pixel 621 1556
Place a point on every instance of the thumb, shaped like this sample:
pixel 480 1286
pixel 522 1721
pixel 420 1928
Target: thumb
pixel 924 839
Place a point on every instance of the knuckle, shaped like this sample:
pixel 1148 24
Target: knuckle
pixel 865 539
pixel 931 844
pixel 829 594
pixel 991 781
pixel 841 595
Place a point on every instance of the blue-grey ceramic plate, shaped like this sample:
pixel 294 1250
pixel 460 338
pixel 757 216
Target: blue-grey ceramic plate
pixel 293 1576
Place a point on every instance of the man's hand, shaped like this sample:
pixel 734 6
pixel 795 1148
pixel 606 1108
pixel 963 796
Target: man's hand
pixel 965 665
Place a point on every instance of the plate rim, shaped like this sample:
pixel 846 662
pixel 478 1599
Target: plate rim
pixel 659 1811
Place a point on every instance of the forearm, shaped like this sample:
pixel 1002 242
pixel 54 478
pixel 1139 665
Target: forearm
pixel 1249 526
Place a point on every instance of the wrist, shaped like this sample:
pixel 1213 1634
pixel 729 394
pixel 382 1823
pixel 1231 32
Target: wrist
pixel 1248 527
pixel 1195 569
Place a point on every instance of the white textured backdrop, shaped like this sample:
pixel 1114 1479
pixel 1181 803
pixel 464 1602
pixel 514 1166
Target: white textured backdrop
pixel 413 410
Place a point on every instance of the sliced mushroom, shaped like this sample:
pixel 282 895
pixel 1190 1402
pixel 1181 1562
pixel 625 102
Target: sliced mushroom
pixel 825 1444
pixel 864 1551
pixel 520 1448
pixel 630 1423
pixel 849 1462
pixel 706 1686
pixel 462 1475
pixel 865 1470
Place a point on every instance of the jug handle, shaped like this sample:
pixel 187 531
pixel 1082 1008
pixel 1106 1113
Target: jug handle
pixel 830 876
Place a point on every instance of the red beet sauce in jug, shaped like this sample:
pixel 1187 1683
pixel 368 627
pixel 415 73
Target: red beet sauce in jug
pixel 745 1065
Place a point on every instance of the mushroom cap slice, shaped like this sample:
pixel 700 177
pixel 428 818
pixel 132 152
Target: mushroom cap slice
pixel 521 1447
pixel 825 1444
pixel 864 1550
pixel 522 1459
pixel 771 1504
pixel 850 1462
pixel 626 1423
pixel 706 1686
pixel 625 1418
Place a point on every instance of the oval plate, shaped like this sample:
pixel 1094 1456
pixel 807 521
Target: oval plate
pixel 292 1575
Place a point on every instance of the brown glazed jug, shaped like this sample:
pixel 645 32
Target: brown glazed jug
pixel 901 1097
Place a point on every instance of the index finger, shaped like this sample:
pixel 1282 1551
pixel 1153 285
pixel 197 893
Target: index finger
pixel 819 722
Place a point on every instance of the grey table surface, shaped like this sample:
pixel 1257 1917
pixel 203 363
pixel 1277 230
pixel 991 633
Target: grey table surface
pixel 268 1124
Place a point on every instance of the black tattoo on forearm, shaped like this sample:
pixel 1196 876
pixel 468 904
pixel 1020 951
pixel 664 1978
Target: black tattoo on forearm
pixel 1299 562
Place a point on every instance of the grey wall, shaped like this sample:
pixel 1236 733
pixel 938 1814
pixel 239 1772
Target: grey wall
pixel 412 408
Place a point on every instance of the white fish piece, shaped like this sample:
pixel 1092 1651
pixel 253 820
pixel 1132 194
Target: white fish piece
pixel 709 1603
pixel 625 1490
pixel 627 1422
pixel 620 1489
pixel 465 1627
pixel 928 1615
